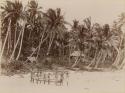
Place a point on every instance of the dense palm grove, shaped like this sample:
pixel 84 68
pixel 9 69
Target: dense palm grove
pixel 28 31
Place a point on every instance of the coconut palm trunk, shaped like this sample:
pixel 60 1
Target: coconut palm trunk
pixel 15 36
pixel 21 42
pixel 9 42
pixel 121 60
pixel 50 43
pixel 7 34
pixel 8 46
pixel 13 53
pixel 94 59
pixel 117 60
pixel 101 58
pixel 122 65
pixel 0 38
pixel 39 46
pixel 69 55
pixel 42 41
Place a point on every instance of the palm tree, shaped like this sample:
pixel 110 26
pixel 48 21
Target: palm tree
pixel 23 29
pixel 12 12
pixel 55 27
pixel 3 47
pixel 88 38
pixel 33 16
pixel 6 17
pixel 118 29
pixel 35 24
pixel 81 37
pixel 74 40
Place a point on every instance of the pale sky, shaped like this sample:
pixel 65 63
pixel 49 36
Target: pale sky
pixel 101 11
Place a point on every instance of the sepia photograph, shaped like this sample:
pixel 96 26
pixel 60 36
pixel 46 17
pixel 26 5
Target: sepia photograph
pixel 62 46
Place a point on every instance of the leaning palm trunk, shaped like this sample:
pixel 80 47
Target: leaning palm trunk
pixel 122 65
pixel 10 42
pixel 117 60
pixel 69 55
pixel 32 53
pixel 101 58
pixel 8 46
pixel 2 51
pixel 42 41
pixel 50 43
pixel 15 35
pixel 40 44
pixel 94 59
pixel 122 59
pixel 21 43
pixel 12 55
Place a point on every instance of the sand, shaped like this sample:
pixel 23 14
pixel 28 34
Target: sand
pixel 78 82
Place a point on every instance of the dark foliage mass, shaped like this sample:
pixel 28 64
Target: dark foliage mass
pixel 42 38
